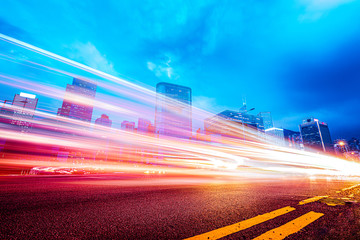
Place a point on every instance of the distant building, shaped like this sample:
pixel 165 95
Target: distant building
pixel 293 139
pixel 267 119
pixel 354 144
pixel 341 146
pixel 20 112
pixel 223 123
pixel 126 125
pixel 173 114
pixel 275 135
pixel 145 126
pixel 316 135
pixel 104 121
pixel 80 109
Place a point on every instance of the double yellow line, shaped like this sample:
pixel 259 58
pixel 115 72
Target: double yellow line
pixel 276 233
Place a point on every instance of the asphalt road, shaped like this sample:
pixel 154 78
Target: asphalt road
pixel 135 207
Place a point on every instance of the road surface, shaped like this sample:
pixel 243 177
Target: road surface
pixel 160 207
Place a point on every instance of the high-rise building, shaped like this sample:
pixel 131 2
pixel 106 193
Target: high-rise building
pixel 267 119
pixel 20 112
pixel 221 123
pixel 173 114
pixel 144 125
pixel 275 135
pixel 82 107
pixel 316 135
pixel 293 139
pixel 104 120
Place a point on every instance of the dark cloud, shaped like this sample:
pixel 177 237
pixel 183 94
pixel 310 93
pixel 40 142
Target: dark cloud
pixel 327 81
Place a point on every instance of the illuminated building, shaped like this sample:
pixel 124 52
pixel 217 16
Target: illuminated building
pixel 20 111
pixel 354 144
pixel 293 139
pixel 221 123
pixel 341 146
pixel 144 125
pixel 267 119
pixel 316 135
pixel 81 109
pixel 103 121
pixel 173 116
pixel 275 135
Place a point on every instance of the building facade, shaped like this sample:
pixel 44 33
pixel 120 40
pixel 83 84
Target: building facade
pixel 78 98
pixel 275 136
pixel 267 119
pixel 232 124
pixel 316 135
pixel 20 111
pixel 293 139
pixel 173 114
pixel 104 120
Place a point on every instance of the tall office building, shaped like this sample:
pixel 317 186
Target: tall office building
pixel 275 135
pixel 144 125
pixel 173 115
pixel 81 108
pixel 316 135
pixel 267 119
pixel 293 139
pixel 20 111
pixel 25 107
pixel 104 120
pixel 221 123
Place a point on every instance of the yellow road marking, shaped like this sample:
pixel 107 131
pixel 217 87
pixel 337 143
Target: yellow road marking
pixel 348 188
pixel 224 231
pixel 290 227
pixel 313 199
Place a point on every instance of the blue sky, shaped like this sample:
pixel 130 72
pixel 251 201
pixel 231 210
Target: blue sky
pixel 296 58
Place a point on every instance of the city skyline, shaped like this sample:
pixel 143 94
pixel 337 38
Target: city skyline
pixel 292 74
pixel 198 119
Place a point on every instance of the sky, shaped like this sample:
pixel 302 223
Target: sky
pixel 296 59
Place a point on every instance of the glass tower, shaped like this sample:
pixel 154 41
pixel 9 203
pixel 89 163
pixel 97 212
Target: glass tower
pixel 173 116
pixel 316 135
pixel 77 109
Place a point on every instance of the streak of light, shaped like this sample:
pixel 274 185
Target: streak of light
pixel 51 143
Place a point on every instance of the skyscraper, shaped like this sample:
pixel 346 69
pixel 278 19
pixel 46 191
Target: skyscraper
pixel 144 125
pixel 267 119
pixel 173 115
pixel 276 136
pixel 25 104
pixel 293 139
pixel 80 108
pixel 221 123
pixel 20 111
pixel 316 135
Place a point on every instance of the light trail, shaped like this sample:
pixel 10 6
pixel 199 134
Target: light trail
pixel 60 142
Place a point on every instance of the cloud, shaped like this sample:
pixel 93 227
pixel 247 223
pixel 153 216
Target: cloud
pixel 208 104
pixel 315 9
pixel 88 54
pixel 323 4
pixel 163 68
